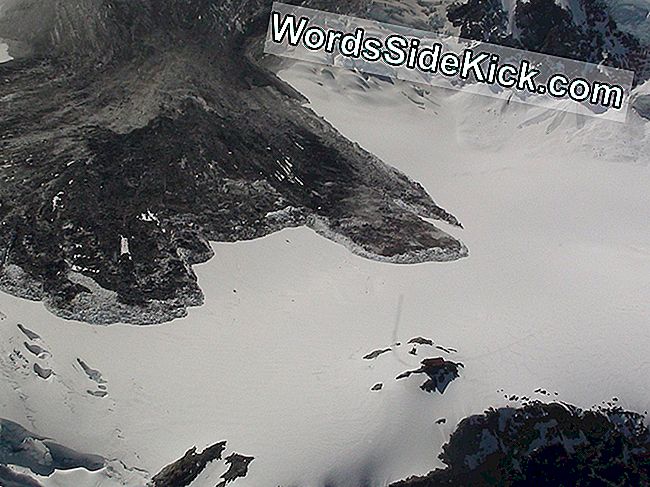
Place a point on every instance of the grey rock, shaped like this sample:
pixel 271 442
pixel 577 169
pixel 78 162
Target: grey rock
pixel 112 189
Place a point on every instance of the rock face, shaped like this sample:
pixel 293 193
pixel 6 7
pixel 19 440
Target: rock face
pixel 137 131
pixel 544 445
pixel 9 478
pixel 421 341
pixel 376 353
pixel 182 472
pixel 237 468
pixel 577 29
pixel 440 373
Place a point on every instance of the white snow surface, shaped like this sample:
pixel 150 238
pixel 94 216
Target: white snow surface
pixel 555 294
pixel 4 53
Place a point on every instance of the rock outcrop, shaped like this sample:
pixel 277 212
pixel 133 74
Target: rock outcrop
pixel 135 132
pixel 9 478
pixel 185 470
pixel 544 445
pixel 237 468
pixel 578 29
pixel 440 373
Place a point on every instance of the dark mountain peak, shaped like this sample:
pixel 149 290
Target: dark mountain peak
pixel 582 29
pixel 547 445
pixel 137 131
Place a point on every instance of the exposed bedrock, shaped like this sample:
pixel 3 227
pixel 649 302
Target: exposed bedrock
pixel 135 132
pixel 544 445
pixel 585 30
pixel 9 478
pixel 186 469
pixel 440 373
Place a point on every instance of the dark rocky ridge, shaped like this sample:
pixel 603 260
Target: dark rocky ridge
pixel 589 33
pixel 137 131
pixel 186 469
pixel 440 373
pixel 9 478
pixel 544 445
pixel 237 468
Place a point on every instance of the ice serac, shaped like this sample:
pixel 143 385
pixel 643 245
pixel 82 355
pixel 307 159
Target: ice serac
pixel 137 131
pixel 41 455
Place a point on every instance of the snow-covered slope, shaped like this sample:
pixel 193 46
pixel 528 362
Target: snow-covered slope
pixel 4 53
pixel 554 298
